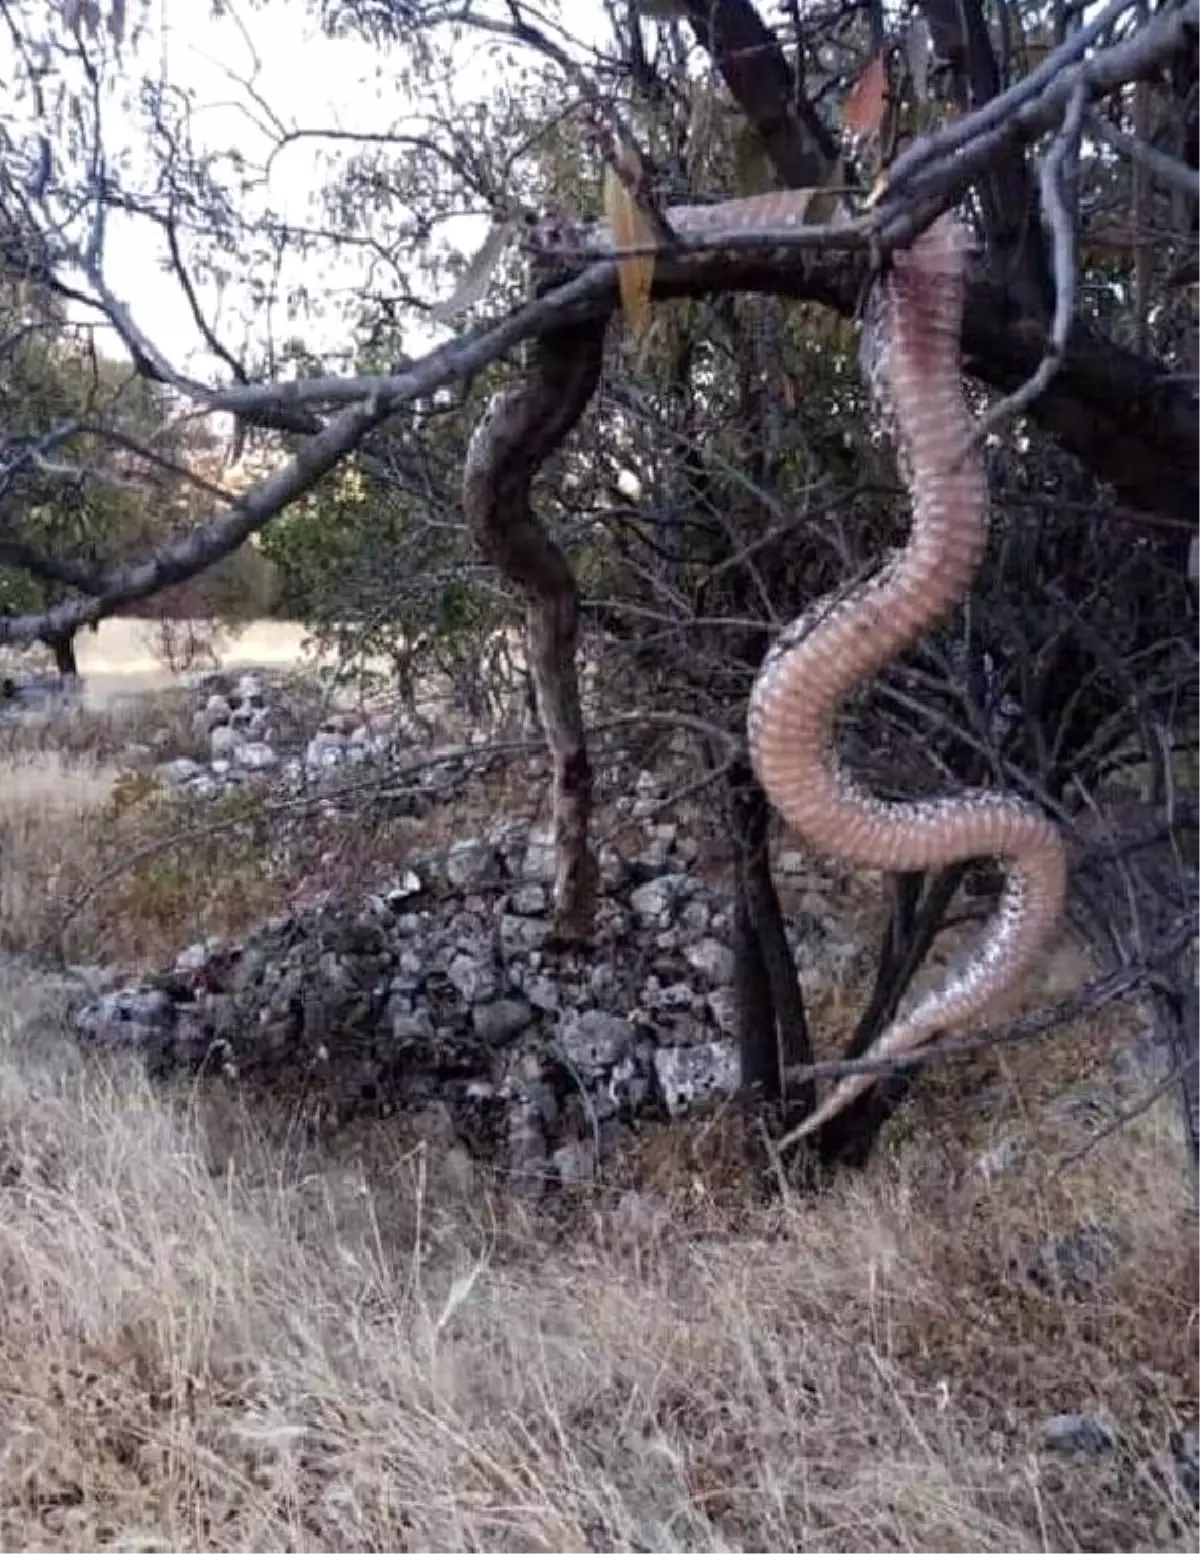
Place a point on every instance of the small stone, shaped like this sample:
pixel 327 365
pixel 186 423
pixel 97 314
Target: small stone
pixel 216 711
pixel 542 993
pixel 256 756
pixel 687 1075
pixel 223 741
pixel 575 1163
pixel 472 978
pixel 528 901
pixel 326 749
pixel 593 1041
pixel 416 1026
pixel 713 960
pixel 502 1020
pixel 468 861
pixel 180 771
pixel 653 901
pixel 1076 1433
pixel 997 1160
pixel 540 860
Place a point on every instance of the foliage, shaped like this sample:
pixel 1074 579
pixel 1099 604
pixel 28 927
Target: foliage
pixel 62 403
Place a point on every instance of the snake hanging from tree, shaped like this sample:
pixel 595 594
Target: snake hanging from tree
pixel 912 360
pixel 912 355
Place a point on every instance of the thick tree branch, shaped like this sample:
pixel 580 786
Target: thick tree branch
pixel 1007 193
pixel 753 67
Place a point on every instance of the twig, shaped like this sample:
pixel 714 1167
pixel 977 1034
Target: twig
pixel 1124 1118
pixel 1095 995
pixel 1051 177
pixel 1166 168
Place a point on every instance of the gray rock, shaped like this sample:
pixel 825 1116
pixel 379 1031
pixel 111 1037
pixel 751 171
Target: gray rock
pixel 502 1020
pixel 688 1075
pixel 997 1160
pixel 1075 1261
pixel 528 901
pixel 126 1016
pixel 256 756
pixel 654 902
pixel 1186 1458
pixel 575 1162
pixel 474 978
pixel 468 861
pixel 713 960
pixel 216 710
pixel 1082 1433
pixel 540 861
pixel 593 1041
pixel 223 741
pixel 180 771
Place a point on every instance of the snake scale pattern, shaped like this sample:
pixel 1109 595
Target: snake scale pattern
pixel 914 373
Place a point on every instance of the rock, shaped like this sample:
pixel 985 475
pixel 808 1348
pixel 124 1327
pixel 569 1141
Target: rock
pixel 1075 1262
pixel 213 714
pixel 713 960
pixel 250 690
pixel 475 979
pixel 223 741
pixel 502 1020
pixel 256 756
pixel 997 1160
pixel 655 901
pixel 325 750
pixel 594 1040
pixel 1081 1433
pixel 127 1016
pixel 1185 1450
pixel 468 862
pixel 575 1163
pixel 528 901
pixel 180 772
pixel 688 1075
pixel 539 861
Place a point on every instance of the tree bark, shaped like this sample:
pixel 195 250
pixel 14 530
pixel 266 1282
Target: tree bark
pixel 1016 247
pixel 523 425
pixel 772 1026
pixel 62 645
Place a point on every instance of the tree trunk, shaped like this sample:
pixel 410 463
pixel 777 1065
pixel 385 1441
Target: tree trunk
pixel 522 427
pixel 65 661
pixel 772 1026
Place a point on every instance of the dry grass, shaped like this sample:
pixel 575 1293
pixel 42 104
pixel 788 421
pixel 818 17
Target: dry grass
pixel 320 1351
pixel 155 870
pixel 69 824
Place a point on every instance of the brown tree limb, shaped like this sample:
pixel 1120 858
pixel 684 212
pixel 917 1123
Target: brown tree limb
pixel 523 426
pixel 1007 194
pixel 753 66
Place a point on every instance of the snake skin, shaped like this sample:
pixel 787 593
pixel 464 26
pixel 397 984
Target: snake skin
pixel 911 359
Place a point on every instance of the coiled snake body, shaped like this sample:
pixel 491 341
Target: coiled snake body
pixel 917 381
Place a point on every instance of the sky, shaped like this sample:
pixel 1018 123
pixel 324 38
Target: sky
pixel 306 79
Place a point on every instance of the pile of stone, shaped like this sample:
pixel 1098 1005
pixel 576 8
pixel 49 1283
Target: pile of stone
pixel 241 720
pixel 443 993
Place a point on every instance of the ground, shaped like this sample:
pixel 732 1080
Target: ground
pixel 222 1334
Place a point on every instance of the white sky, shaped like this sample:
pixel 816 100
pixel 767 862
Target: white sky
pixel 306 80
